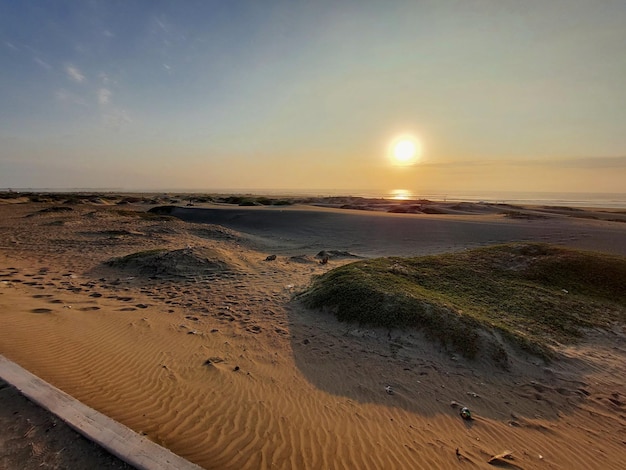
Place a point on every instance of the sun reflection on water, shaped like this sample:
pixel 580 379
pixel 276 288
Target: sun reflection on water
pixel 401 194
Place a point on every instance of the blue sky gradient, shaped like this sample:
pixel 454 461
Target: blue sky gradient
pixel 207 95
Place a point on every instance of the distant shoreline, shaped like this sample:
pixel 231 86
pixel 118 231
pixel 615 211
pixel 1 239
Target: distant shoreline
pixel 611 201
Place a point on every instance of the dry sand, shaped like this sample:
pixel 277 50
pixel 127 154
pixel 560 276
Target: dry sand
pixel 202 348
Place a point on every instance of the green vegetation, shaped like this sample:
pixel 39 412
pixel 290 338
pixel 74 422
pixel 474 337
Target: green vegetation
pixel 535 296
pixel 249 200
pixel 135 257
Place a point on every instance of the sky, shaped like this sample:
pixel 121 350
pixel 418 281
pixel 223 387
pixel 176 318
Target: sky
pixel 500 95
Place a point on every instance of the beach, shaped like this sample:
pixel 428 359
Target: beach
pixel 183 324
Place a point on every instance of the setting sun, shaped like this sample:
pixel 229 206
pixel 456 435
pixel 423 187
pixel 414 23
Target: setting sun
pixel 405 150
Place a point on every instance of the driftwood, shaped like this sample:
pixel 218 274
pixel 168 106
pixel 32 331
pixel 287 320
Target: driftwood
pixel 503 459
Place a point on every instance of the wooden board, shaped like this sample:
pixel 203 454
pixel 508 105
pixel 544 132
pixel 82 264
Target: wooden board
pixel 116 438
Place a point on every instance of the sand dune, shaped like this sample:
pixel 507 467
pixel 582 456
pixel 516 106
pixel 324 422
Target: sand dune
pixel 203 349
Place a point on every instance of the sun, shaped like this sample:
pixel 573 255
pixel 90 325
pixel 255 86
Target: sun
pixel 405 150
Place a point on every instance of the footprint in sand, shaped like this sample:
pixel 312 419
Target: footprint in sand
pixel 89 309
pixel 55 301
pixel 127 309
pixel 124 299
pixel 95 294
pixel 42 296
pixel 41 310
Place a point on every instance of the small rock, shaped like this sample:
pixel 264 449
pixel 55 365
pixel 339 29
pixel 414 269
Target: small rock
pixel 270 258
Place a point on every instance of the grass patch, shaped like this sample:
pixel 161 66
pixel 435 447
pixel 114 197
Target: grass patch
pixel 249 200
pixel 181 263
pixel 135 257
pixel 533 295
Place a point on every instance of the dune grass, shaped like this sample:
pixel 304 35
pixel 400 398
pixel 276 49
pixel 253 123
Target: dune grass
pixel 135 257
pixel 535 296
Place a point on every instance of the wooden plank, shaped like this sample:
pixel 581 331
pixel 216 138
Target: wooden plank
pixel 116 438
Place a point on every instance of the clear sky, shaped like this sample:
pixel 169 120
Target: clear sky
pixel 500 94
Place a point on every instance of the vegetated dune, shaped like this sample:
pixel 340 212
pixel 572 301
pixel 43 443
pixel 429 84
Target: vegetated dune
pixel 184 262
pixel 536 296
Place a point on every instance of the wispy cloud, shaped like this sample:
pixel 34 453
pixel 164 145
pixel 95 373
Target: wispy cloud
pixel 161 24
pixel 548 162
pixel 104 78
pixel 591 162
pixel 108 34
pixel 10 45
pixel 42 63
pixel 116 119
pixel 104 96
pixel 572 162
pixel 74 73
pixel 69 97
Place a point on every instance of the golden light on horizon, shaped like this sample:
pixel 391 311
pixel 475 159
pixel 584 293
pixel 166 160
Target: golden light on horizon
pixel 401 194
pixel 405 150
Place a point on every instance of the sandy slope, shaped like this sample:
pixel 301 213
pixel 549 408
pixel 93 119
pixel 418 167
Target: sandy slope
pixel 222 367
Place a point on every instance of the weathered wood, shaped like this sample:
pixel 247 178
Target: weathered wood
pixel 116 438
pixel 503 459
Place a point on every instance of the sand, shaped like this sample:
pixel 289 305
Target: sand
pixel 203 348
